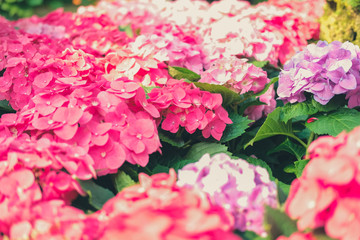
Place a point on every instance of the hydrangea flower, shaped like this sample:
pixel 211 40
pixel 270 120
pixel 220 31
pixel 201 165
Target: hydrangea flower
pixel 323 70
pixel 241 188
pixel 158 209
pixel 298 236
pixel 241 77
pixel 185 105
pixel 327 193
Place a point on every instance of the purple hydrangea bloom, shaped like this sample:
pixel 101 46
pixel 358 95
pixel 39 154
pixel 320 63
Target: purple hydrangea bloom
pixel 238 186
pixel 323 70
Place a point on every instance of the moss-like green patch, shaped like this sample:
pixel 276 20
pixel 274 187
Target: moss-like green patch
pixel 341 21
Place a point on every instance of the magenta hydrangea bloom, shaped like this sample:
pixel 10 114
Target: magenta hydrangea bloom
pixel 240 187
pixel 323 70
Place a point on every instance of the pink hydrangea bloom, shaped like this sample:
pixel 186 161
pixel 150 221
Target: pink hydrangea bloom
pixel 183 104
pixel 323 70
pixel 240 187
pixel 241 77
pixel 158 209
pixel 327 193
pixel 298 236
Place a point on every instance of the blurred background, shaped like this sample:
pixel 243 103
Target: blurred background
pixel 15 9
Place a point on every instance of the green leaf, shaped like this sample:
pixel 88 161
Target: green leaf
pixel 310 107
pixel 247 102
pixel 288 146
pixel 160 169
pixel 5 107
pixel 283 191
pixel 320 234
pixel 299 167
pixel 259 64
pixel 335 122
pixel 272 127
pixel 261 163
pixel 183 73
pixel 277 223
pixel 290 111
pixel 127 29
pixel 199 149
pixel 122 180
pixel 98 195
pixel 237 128
pixel 170 138
pixel 249 235
pixel 148 90
pixel 182 163
pixel 272 81
pixel 34 3
pixel 228 95
pixel 335 103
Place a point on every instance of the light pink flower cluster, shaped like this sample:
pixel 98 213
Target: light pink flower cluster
pixel 271 31
pixel 241 77
pixel 187 106
pixel 327 193
pixel 323 70
pixel 298 236
pixel 91 31
pixel 238 186
pixel 158 209
pixel 265 31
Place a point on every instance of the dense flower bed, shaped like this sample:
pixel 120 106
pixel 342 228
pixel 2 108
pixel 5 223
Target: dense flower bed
pixel 154 119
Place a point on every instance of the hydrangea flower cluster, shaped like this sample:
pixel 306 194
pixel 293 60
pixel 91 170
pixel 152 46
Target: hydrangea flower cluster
pixel 323 70
pixel 187 106
pixel 97 103
pixel 327 193
pixel 238 186
pixel 241 77
pixel 35 190
pixel 268 31
pixel 298 236
pixel 92 31
pixel 159 209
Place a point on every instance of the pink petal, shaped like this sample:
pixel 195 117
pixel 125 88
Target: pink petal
pixel 20 230
pixel 24 177
pixel 116 157
pixel 74 115
pixel 66 132
pixel 43 79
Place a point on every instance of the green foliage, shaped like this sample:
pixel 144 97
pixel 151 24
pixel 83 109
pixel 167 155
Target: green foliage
pixel 335 122
pixel 199 149
pixel 249 235
pixel 274 126
pixel 237 128
pixel 283 191
pixel 5 107
pixel 229 96
pixel 122 180
pixel 277 223
pixel 15 9
pixel 183 73
pixel 261 163
pixel 288 146
pixel 127 29
pixel 310 107
pixel 98 195
pixel 171 138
